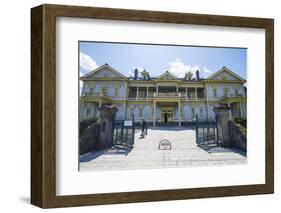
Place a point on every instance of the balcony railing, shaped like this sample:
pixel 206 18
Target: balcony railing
pixel 138 98
pixel 168 95
pixel 100 94
pixel 233 95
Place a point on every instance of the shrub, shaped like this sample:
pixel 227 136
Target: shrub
pixel 83 125
pixel 241 121
pixel 242 125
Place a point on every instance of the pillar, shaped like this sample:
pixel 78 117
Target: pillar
pixel 196 93
pixel 230 114
pixel 82 111
pixel 107 113
pixel 179 104
pixel 154 112
pixel 137 92
pixel 124 110
pixel 244 109
pixel 99 108
pixel 241 110
pixel 222 114
pixel 147 93
pixel 207 110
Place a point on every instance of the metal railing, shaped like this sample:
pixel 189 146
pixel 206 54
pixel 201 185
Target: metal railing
pixel 100 94
pixel 167 95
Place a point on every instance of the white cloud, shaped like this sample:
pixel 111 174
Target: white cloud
pixel 205 69
pixel 179 68
pixel 131 73
pixel 87 63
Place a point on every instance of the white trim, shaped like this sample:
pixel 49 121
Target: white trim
pixel 166 73
pixel 102 67
pixel 225 69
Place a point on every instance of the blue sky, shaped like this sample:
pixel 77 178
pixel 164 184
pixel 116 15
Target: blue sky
pixel 156 59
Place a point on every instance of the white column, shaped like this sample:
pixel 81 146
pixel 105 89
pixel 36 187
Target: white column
pixel 147 93
pixel 179 104
pixel 125 91
pixel 241 110
pixel 230 114
pixel 185 92
pixel 124 110
pixel 82 111
pixel 100 103
pixel 196 93
pixel 245 109
pixel 207 110
pixel 137 92
pixel 207 98
pixel 154 112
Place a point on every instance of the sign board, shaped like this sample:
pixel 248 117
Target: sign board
pixel 165 145
pixel 128 123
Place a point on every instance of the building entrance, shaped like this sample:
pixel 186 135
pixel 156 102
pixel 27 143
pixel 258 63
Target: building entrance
pixel 167 115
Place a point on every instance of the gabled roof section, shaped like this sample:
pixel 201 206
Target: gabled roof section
pixel 104 71
pixel 166 76
pixel 225 74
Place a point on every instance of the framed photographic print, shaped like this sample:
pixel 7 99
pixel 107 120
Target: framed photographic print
pixel 136 106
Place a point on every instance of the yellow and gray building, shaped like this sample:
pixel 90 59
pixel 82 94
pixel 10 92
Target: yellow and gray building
pixel 161 99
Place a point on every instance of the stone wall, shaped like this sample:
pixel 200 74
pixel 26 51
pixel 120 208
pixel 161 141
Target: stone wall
pixel 237 139
pixel 89 139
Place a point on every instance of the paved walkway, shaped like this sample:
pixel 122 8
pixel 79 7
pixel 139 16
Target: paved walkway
pixel 145 154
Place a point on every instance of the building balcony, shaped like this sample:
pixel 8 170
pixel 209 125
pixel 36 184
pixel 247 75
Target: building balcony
pixel 194 99
pixel 167 95
pixel 138 98
pixel 98 96
pixel 228 98
pixel 231 98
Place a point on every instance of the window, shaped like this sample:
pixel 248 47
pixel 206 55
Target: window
pixel 140 112
pixel 215 92
pixel 88 111
pixel 181 111
pixel 236 92
pixel 116 91
pixel 201 113
pixel 104 90
pixel 225 91
pixel 131 112
pixel 91 90
pixel 193 112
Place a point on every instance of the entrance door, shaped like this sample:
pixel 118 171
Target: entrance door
pixel 166 117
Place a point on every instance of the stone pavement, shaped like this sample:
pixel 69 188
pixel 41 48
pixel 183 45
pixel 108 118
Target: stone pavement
pixel 146 155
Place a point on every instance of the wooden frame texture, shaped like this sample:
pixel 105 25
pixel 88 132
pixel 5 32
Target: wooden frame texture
pixel 43 105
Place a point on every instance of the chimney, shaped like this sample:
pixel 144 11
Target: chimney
pixel 136 74
pixel 197 75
